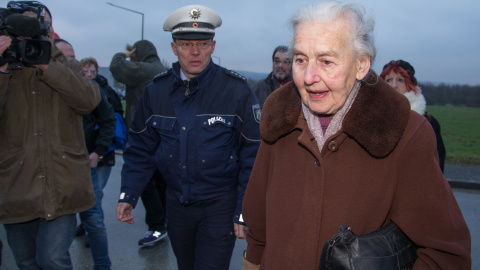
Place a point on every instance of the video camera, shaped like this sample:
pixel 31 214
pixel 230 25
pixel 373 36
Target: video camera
pixel 32 48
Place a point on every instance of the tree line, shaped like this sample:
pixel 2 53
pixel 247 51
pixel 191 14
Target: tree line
pixel 456 95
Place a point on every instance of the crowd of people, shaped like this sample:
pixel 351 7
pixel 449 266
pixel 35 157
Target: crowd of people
pixel 321 142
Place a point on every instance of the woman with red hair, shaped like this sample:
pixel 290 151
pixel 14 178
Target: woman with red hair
pixel 401 76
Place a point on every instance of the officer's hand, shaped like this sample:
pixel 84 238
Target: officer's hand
pixel 240 231
pixel 123 212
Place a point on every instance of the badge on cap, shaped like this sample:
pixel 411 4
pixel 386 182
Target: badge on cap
pixel 195 13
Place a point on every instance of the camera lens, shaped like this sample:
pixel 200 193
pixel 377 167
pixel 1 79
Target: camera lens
pixel 33 50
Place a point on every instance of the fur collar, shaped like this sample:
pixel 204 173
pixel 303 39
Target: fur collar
pixel 417 101
pixel 376 120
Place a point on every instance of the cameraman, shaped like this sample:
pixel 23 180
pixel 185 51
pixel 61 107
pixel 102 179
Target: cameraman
pixel 45 175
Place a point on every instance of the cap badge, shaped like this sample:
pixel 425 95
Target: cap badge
pixel 194 13
pixel 195 25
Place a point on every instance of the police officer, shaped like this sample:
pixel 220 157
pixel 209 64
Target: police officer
pixel 198 123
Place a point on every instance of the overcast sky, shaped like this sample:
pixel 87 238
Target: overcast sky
pixel 439 38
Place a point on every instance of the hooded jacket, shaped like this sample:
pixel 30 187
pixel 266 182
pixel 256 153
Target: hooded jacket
pixel 136 75
pixel 44 166
pixel 381 166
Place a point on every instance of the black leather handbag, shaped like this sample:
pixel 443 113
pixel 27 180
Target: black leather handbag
pixel 386 248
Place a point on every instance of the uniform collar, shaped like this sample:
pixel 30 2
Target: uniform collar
pixel 196 81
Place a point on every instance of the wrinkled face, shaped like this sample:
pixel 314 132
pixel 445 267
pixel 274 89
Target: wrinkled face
pixel 90 71
pixel 193 55
pixel 396 81
pixel 324 67
pixel 66 49
pixel 282 66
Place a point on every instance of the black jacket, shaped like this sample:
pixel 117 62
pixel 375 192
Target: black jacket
pixel 99 127
pixel 114 100
pixel 112 96
pixel 265 87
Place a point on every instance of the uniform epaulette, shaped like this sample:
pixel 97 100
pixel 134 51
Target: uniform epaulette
pixel 163 74
pixel 235 74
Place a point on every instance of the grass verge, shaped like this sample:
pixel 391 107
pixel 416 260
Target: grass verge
pixel 460 129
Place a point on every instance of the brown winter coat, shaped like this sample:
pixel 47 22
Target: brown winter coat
pixel 381 166
pixel 44 167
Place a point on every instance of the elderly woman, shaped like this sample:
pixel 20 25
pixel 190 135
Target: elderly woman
pixel 340 146
pixel 401 76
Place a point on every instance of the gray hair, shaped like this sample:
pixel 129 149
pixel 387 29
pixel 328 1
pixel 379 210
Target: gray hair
pixel 361 23
pixel 280 48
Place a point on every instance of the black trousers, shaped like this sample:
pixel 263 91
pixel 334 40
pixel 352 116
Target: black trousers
pixel 202 234
pixel 153 198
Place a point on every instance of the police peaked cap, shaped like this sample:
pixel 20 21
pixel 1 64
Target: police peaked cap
pixel 192 22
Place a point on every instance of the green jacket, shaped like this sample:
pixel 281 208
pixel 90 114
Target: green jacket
pixel 44 167
pixel 136 75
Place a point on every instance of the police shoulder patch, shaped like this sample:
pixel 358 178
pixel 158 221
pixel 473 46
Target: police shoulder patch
pixel 256 112
pixel 235 74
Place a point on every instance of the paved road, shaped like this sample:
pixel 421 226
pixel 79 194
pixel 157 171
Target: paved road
pixel 125 253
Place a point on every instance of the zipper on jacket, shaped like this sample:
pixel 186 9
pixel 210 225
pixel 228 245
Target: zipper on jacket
pixel 5 112
pixel 187 85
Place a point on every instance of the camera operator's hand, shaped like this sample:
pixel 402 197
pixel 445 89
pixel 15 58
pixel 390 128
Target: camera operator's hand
pixel 5 42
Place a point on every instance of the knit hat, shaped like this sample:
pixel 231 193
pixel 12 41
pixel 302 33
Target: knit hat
pixel 406 66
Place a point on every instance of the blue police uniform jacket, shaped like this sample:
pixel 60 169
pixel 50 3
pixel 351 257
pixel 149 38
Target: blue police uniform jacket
pixel 202 135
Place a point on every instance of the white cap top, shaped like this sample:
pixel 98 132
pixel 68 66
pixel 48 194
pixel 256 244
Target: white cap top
pixel 193 22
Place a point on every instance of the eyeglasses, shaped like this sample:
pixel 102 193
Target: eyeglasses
pixel 285 62
pixel 187 45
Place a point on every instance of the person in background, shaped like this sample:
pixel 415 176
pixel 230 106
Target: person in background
pixel 136 73
pixel 45 167
pixel 90 69
pixel 65 47
pixel 196 123
pixel 345 148
pixel 144 64
pixel 401 76
pixel 99 128
pixel 280 75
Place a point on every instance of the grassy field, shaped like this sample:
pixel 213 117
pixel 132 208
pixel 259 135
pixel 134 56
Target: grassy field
pixel 460 127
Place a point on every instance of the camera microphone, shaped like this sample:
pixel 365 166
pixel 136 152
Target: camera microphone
pixel 22 26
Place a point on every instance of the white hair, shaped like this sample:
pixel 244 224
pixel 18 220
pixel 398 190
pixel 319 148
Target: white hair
pixel 361 23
